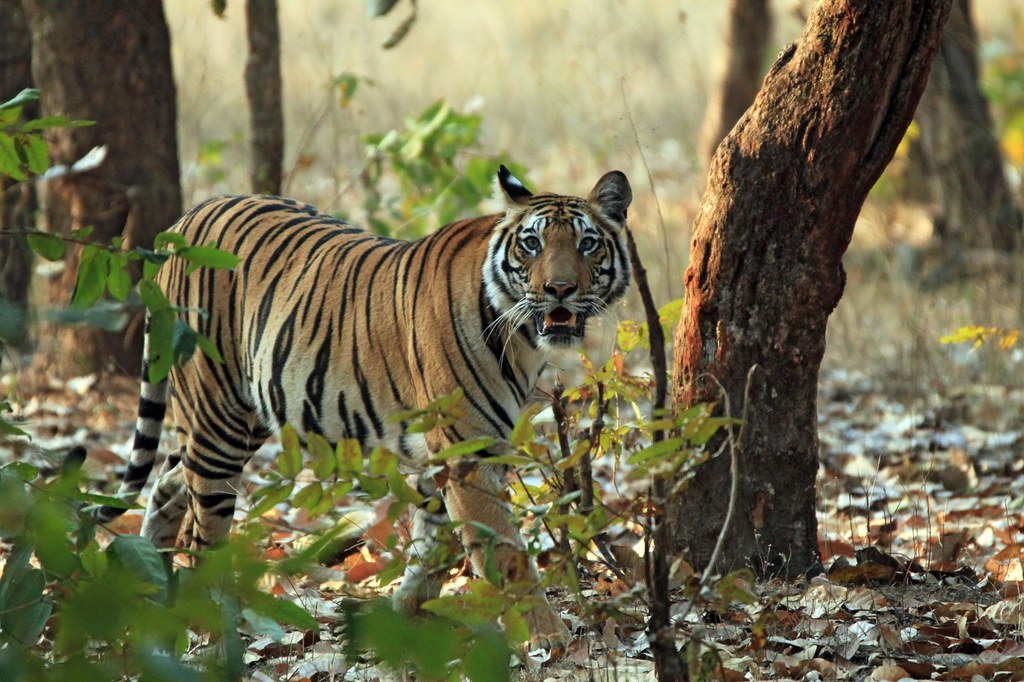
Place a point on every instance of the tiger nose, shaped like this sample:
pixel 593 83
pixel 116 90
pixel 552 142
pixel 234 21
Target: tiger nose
pixel 559 289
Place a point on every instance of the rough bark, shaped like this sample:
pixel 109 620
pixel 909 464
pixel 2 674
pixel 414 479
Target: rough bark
pixel 108 62
pixel 17 200
pixel 783 194
pixel 263 89
pixel 748 30
pixel 962 160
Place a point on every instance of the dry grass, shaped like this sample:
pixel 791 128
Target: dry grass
pixel 552 81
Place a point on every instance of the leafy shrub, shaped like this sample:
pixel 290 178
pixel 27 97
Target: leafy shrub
pixel 436 164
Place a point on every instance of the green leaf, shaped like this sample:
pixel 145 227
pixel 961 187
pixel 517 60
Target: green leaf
pixel 119 282
pixel 24 97
pixel 209 349
pixel 374 486
pixel 467 447
pixel 347 85
pixel 491 572
pixel 174 239
pixel 10 160
pixel 391 570
pixel 152 297
pixel 402 490
pixel 81 233
pixel 349 456
pixel 94 560
pixel 23 610
pixel 309 496
pixel 483 604
pixel 700 431
pixel 289 462
pixel 151 257
pixel 22 470
pixel 288 612
pixel 736 586
pixel 36 153
pixel 270 496
pixel 184 341
pixel 218 7
pixel 161 342
pixel 92 277
pixel 510 460
pixel 104 500
pixel 54 122
pixel 515 626
pixel 138 554
pixel 207 257
pixel 657 451
pixel 49 247
pixel 381 461
pixel 487 658
pixel 322 455
pixel 524 430
pixel 9 429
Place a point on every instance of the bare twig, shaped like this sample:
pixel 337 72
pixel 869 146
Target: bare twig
pixel 656 334
pixel 667 662
pixel 734 470
pixel 569 475
pixel 586 471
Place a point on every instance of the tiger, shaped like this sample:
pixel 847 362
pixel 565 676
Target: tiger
pixel 332 329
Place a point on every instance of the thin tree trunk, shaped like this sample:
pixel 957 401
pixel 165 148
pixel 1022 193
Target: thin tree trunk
pixel 109 62
pixel 784 191
pixel 17 200
pixel 747 33
pixel 263 88
pixel 963 162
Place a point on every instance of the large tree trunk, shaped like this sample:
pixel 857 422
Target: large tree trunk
pixel 109 62
pixel 962 159
pixel 263 89
pixel 784 191
pixel 747 33
pixel 17 200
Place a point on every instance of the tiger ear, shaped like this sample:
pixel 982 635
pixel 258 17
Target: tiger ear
pixel 512 191
pixel 612 196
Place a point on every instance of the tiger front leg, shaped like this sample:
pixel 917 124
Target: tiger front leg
pixel 477 492
pixel 419 585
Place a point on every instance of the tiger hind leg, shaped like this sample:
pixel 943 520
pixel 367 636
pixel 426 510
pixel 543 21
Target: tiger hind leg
pixel 168 503
pixel 211 506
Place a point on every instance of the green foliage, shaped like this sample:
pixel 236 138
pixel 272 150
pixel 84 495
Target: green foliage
pixel 103 269
pixel 115 611
pixel 434 648
pixel 632 333
pixel 23 150
pixel 436 163
pixel 348 84
pixel 106 270
pixel 211 162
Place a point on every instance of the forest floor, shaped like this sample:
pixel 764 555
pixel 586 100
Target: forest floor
pixel 921 527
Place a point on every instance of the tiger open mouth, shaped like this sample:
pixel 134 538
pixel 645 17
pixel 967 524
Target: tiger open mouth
pixel 560 325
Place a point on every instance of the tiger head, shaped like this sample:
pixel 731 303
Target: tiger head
pixel 555 261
